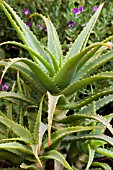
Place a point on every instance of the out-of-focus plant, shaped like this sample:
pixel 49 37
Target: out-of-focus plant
pixel 57 79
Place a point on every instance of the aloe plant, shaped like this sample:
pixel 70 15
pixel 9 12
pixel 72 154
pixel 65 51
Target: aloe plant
pixel 57 79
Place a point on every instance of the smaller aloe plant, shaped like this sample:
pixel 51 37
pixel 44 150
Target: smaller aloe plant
pixel 57 79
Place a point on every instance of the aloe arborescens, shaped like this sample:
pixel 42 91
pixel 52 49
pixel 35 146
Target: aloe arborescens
pixel 60 78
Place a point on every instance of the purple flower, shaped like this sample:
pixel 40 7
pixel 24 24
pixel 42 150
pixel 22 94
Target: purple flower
pixel 95 8
pixel 75 10
pixel 71 24
pixel 81 8
pixel 78 10
pixel 26 11
pixel 29 24
pixel 39 26
pixel 5 87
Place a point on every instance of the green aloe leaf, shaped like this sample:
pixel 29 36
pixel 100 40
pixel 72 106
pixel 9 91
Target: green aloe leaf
pixel 59 134
pixel 58 157
pixel 45 80
pixel 74 117
pixel 90 67
pixel 10 157
pixel 53 40
pixel 34 149
pixel 19 152
pixel 27 74
pixel 39 128
pixel 34 53
pixel 29 167
pixel 98 104
pixel 52 101
pixel 17 129
pixel 82 39
pixel 74 87
pixel 95 52
pixel 105 152
pixel 88 100
pixel 38 122
pixel 105 138
pixel 103 165
pixel 70 67
pixel 91 156
pixel 23 31
pixel 16 146
pixel 26 99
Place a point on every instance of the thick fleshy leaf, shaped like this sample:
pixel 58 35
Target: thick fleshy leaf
pixel 105 152
pixel 32 166
pixel 58 157
pixel 91 66
pixel 88 137
pixel 19 152
pixel 74 87
pixel 52 101
pixel 23 31
pixel 74 117
pixel 27 74
pixel 103 165
pixel 16 146
pixel 91 156
pixel 98 104
pixel 82 39
pixel 10 157
pixel 17 129
pixel 53 40
pixel 39 128
pixel 43 77
pixel 70 67
pixel 34 149
pixel 34 57
pixel 86 101
pixel 59 134
pixel 26 99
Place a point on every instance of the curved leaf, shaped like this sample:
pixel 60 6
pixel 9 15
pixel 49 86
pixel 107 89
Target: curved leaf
pixel 23 31
pixel 103 165
pixel 56 136
pixel 17 146
pixel 53 41
pixel 93 65
pixel 98 104
pixel 17 129
pixel 69 68
pixel 105 152
pixel 39 128
pixel 73 118
pixel 91 156
pixel 58 157
pixel 82 39
pixel 52 102
pixel 84 102
pixel 82 83
pixel 34 149
pixel 37 56
pixel 45 80
pixel 88 137
pixel 27 74
pixel 26 99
